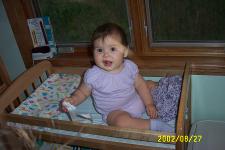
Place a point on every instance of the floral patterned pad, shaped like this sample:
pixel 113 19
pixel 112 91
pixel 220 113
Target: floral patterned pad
pixel 44 102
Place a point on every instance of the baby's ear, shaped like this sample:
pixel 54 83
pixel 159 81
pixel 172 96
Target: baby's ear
pixel 126 51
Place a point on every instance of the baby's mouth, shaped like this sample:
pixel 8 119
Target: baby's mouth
pixel 107 63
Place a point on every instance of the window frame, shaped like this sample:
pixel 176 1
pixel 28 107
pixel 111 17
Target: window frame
pixel 146 47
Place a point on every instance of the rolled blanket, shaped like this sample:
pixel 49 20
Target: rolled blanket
pixel 166 97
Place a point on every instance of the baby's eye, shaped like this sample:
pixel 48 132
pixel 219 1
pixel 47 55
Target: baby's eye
pixel 99 50
pixel 113 49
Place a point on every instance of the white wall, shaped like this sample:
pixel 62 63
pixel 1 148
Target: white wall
pixel 208 97
pixel 9 50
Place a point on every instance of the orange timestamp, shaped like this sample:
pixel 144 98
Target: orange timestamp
pixel 179 138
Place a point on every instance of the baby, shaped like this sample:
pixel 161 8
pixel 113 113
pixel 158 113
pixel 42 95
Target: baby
pixel 120 93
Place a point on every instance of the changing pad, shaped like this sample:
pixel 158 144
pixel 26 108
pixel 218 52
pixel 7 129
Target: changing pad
pixel 44 102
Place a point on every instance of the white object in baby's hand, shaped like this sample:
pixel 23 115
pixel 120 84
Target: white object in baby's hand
pixel 73 115
pixel 71 110
pixel 69 106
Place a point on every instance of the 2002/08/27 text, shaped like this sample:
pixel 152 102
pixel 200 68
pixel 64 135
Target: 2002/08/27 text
pixel 179 138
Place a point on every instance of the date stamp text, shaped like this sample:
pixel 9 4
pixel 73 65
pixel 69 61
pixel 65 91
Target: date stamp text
pixel 179 138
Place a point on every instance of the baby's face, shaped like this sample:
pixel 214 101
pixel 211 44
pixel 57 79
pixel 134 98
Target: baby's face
pixel 109 53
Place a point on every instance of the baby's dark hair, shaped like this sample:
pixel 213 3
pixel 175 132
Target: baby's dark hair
pixel 108 29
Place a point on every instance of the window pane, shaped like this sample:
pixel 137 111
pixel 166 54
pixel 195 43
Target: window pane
pixel 74 21
pixel 187 20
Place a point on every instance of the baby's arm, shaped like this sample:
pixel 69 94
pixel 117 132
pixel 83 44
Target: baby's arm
pixel 151 84
pixel 78 97
pixel 80 94
pixel 145 95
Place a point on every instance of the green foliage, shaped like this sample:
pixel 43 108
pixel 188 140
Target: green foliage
pixel 182 20
pixel 186 20
pixel 75 20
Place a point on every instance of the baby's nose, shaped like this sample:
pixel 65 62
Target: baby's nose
pixel 106 53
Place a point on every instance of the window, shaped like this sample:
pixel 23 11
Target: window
pixel 74 21
pixel 198 23
pixel 206 60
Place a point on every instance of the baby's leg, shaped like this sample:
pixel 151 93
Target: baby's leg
pixel 124 119
pixel 121 118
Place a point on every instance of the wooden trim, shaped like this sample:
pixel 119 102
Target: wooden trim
pixel 4 73
pixel 183 121
pixel 135 134
pixel 184 51
pixel 87 142
pixel 136 14
pixel 3 87
pixel 154 64
pixel 4 77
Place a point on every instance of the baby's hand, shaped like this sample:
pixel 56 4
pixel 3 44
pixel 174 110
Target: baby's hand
pixel 62 107
pixel 151 110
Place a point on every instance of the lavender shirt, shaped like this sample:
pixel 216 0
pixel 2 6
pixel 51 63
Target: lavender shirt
pixel 115 91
